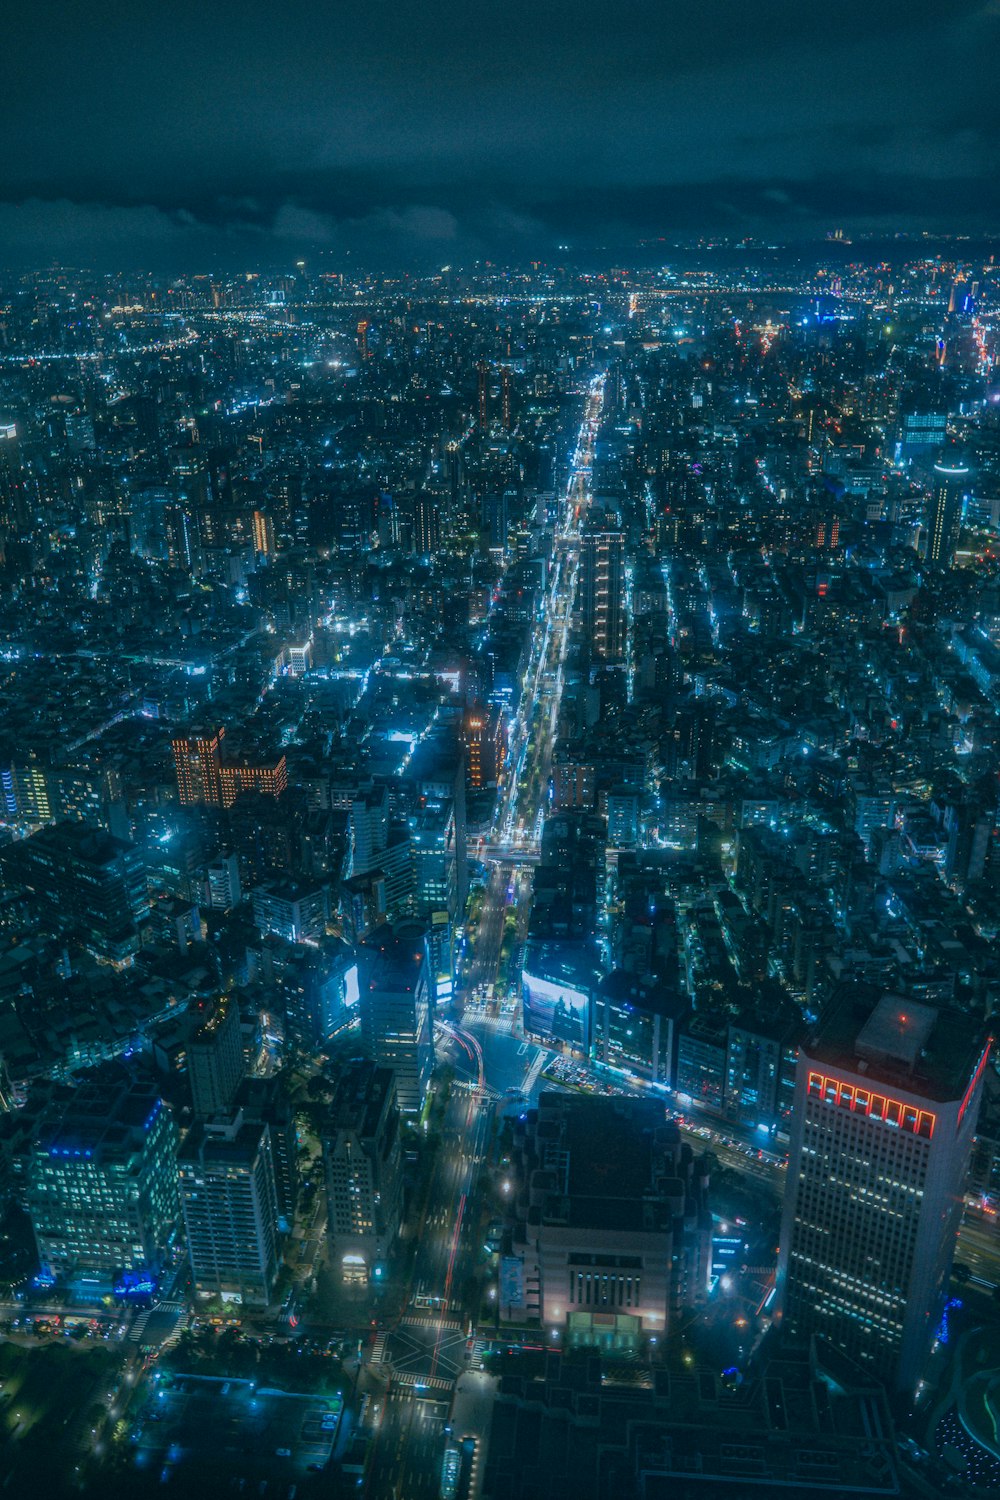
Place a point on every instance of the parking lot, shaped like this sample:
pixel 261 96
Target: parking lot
pixel 198 1423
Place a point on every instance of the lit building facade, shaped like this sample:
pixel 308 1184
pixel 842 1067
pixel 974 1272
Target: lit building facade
pixel 230 1203
pixel 886 1100
pixel 102 1183
pixel 363 1161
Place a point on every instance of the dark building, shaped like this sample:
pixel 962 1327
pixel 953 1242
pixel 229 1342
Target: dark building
pixel 397 1008
pixel 612 1232
pixel 86 884
pixel 951 482
pixel 215 1063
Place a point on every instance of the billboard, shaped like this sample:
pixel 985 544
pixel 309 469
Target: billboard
pixel 556 1010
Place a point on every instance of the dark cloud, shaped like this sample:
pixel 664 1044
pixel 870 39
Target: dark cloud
pixel 191 130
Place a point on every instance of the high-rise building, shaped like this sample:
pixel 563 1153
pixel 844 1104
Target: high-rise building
pixel 215 1062
pixel 951 481
pixel 886 1099
pixel 102 1181
pixel 483 394
pixel 229 1198
pixel 198 764
pixel 364 1177
pixel 602 589
pixel 426 525
pixel 397 1008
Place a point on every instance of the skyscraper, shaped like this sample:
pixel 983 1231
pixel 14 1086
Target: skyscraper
pixel 363 1159
pixel 229 1198
pixel 397 1008
pixel 886 1099
pixel 602 588
pixel 950 483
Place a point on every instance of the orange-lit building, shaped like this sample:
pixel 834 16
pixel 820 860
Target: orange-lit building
pixel 205 777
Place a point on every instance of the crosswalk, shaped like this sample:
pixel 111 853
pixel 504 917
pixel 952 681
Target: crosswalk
pixel 412 1322
pixel 531 1077
pixel 163 1310
pixel 506 1023
pixel 378 1350
pixel 424 1382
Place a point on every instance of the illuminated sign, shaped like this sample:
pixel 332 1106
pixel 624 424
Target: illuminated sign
pixel 864 1101
pixel 977 1075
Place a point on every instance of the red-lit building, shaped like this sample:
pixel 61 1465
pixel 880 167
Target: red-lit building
pixel 885 1108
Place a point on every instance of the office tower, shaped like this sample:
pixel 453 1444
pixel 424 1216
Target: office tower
pixel 602 589
pixel 951 479
pixel 265 1101
pixel 215 1063
pixel 102 1182
pixel 230 1205
pixel 635 1025
pixel 505 398
pixel 426 525
pixel 441 956
pixel 397 1008
pixel 198 765
pixel 364 349
pixel 886 1099
pixel 969 825
pixel 369 829
pixel 89 886
pixel 435 857
pixel 364 1175
pixel 612 1230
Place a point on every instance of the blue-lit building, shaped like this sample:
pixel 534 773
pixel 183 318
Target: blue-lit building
pixel 102 1182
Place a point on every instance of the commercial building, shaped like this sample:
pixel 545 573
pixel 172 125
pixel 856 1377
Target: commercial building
pixel 886 1100
pixel 612 1232
pixel 636 1026
pixel 215 1064
pixel 397 1008
pixel 951 483
pixel 364 1179
pixel 230 1204
pixel 102 1182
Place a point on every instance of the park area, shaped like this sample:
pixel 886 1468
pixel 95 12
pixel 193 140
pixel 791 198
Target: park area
pixel 52 1410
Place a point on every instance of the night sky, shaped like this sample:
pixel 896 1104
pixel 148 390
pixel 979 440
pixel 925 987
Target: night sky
pixel 424 132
